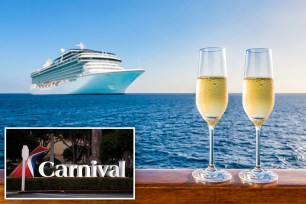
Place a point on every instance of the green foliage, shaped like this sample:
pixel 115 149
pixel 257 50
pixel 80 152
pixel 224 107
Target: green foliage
pixel 35 137
pixel 15 139
pixel 79 152
pixel 75 134
pixel 79 147
pixel 31 137
pixel 115 144
pixel 54 183
pixel 43 136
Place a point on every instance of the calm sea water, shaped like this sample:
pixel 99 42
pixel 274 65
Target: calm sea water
pixel 169 130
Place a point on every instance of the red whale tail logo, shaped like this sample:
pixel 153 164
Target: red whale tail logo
pixel 30 163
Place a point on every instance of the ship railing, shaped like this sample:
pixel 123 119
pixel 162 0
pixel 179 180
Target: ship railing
pixel 178 186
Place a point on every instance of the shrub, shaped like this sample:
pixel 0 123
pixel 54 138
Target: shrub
pixel 65 183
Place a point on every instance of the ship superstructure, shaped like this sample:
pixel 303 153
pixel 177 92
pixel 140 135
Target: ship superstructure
pixel 83 71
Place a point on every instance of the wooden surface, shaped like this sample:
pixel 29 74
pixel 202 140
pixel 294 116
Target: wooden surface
pixel 177 185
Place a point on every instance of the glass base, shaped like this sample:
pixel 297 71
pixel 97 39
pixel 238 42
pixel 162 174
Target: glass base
pixel 211 175
pixel 258 175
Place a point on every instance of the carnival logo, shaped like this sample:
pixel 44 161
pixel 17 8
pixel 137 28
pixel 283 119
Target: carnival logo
pixel 68 170
pixel 30 163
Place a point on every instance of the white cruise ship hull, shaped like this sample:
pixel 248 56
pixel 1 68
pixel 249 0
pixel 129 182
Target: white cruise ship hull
pixel 101 83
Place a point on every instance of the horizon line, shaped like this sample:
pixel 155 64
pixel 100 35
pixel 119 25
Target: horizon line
pixel 145 93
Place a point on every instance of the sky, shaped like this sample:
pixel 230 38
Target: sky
pixel 161 36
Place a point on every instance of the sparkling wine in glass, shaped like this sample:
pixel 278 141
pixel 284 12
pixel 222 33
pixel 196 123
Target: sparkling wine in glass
pixel 258 102
pixel 211 101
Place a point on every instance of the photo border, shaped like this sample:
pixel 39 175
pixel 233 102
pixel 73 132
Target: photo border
pixel 12 128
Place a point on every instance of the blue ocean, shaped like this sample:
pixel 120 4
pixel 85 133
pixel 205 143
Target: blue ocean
pixel 170 132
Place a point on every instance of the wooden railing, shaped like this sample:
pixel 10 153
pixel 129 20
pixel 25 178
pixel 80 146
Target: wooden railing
pixel 178 186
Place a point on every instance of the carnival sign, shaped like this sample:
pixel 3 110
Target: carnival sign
pixel 93 170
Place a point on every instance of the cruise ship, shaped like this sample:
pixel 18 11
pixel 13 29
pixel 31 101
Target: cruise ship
pixel 83 71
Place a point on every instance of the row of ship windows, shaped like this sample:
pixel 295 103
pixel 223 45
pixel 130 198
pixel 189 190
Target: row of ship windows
pixel 111 61
pixel 56 67
pixel 69 58
pixel 99 58
pixel 68 70
pixel 60 68
pixel 63 71
pixel 58 78
pixel 65 57
pixel 55 78
pixel 75 54
pixel 103 69
pixel 102 64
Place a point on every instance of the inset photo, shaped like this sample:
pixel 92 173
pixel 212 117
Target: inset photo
pixel 69 163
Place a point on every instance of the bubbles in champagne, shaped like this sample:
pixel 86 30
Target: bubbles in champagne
pixel 258 99
pixel 211 98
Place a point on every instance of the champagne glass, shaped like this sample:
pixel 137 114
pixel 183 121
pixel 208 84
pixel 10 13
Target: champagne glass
pixel 211 100
pixel 258 102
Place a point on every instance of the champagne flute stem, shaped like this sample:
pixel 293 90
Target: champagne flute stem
pixel 258 128
pixel 211 146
